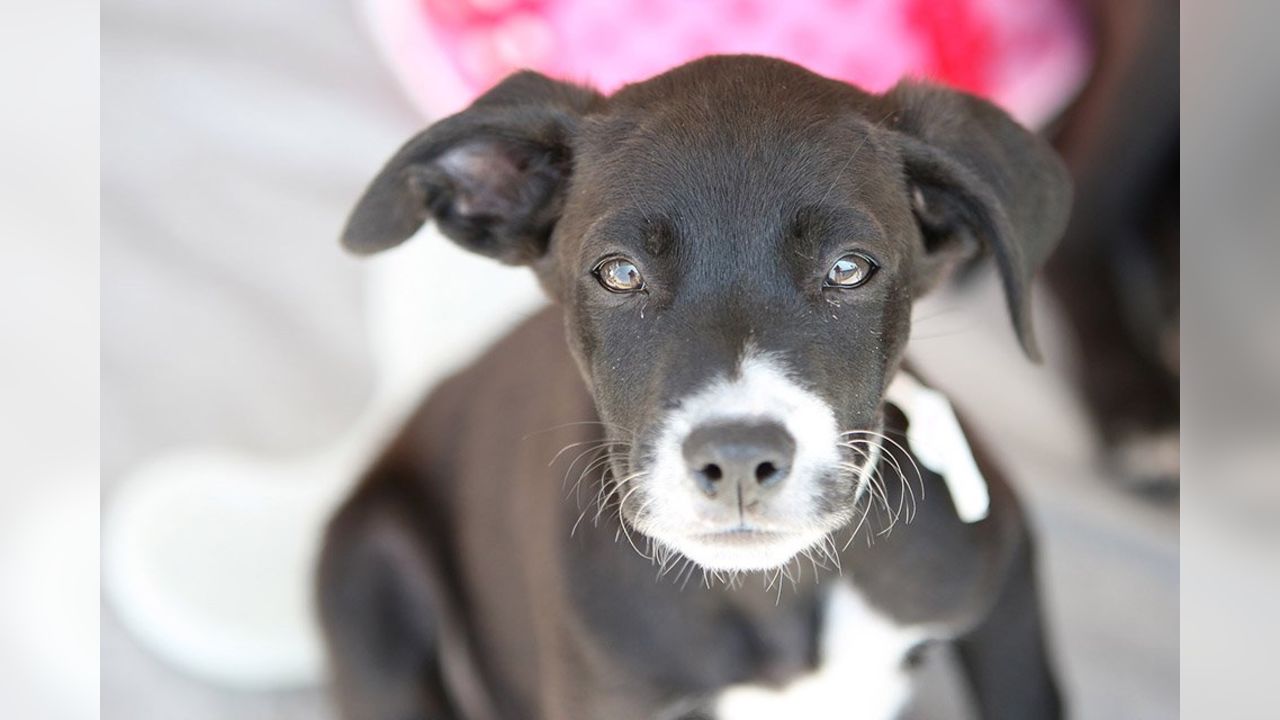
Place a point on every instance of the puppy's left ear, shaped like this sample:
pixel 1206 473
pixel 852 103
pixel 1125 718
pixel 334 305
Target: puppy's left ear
pixel 978 179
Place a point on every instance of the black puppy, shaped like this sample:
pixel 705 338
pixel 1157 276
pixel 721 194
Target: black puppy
pixel 734 248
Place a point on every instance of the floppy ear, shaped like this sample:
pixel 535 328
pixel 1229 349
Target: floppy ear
pixel 980 181
pixel 492 177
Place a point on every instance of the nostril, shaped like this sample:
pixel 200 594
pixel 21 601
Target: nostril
pixel 765 472
pixel 708 478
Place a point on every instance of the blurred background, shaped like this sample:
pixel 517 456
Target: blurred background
pixel 49 360
pixel 235 336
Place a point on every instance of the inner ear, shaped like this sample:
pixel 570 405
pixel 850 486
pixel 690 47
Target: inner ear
pixel 947 239
pixel 497 197
pixel 483 179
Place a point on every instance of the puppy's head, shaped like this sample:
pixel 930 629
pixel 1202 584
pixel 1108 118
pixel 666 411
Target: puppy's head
pixel 737 244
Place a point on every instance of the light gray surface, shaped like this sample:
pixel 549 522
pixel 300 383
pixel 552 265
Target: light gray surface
pixel 236 134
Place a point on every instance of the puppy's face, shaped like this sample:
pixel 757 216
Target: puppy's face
pixel 737 244
pixel 738 277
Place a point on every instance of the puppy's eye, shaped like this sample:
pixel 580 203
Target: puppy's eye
pixel 850 271
pixel 619 275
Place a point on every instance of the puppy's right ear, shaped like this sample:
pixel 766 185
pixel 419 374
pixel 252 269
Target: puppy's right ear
pixel 493 177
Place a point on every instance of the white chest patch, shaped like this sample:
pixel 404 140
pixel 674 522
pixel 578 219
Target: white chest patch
pixel 938 442
pixel 860 671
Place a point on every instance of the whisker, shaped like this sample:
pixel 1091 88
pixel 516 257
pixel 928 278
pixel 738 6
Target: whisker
pixel 627 532
pixel 579 423
pixel 903 450
pixel 687 571
pixel 877 486
pixel 612 492
pixel 577 484
pixel 594 443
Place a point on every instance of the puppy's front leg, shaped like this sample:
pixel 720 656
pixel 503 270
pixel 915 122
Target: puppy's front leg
pixel 1006 657
pixel 378 620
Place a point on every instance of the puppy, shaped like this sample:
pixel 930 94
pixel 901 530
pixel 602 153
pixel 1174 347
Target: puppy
pixel 733 248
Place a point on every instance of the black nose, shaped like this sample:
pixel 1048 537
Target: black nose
pixel 751 457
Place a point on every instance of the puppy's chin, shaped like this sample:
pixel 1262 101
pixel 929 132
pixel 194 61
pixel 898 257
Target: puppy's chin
pixel 743 551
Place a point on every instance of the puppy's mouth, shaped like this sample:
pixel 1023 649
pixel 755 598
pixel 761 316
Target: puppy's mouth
pixel 740 535
pixel 745 548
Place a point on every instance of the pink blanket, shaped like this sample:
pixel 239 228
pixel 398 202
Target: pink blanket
pixel 1030 56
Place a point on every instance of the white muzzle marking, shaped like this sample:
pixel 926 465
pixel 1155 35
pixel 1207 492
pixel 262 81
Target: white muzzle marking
pixel 677 514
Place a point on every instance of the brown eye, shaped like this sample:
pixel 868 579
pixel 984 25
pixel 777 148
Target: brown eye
pixel 850 271
pixel 619 275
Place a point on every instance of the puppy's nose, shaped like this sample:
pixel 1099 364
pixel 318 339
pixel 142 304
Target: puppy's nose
pixel 752 457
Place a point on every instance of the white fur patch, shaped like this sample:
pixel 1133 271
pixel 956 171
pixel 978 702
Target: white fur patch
pixel 679 513
pixel 860 671
pixel 939 443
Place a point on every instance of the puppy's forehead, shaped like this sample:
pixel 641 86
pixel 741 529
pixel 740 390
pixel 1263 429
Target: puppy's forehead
pixel 747 126
pixel 767 162
pixel 730 83
pixel 756 137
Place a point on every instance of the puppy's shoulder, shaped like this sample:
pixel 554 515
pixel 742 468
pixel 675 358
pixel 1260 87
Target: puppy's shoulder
pixel 525 382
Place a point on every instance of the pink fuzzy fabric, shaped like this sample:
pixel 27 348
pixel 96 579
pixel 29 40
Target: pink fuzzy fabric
pixel 1030 56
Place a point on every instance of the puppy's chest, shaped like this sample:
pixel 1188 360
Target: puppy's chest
pixel 861 670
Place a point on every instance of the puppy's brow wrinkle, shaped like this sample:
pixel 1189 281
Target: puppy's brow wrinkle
pixel 659 237
pixel 635 198
pixel 854 155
